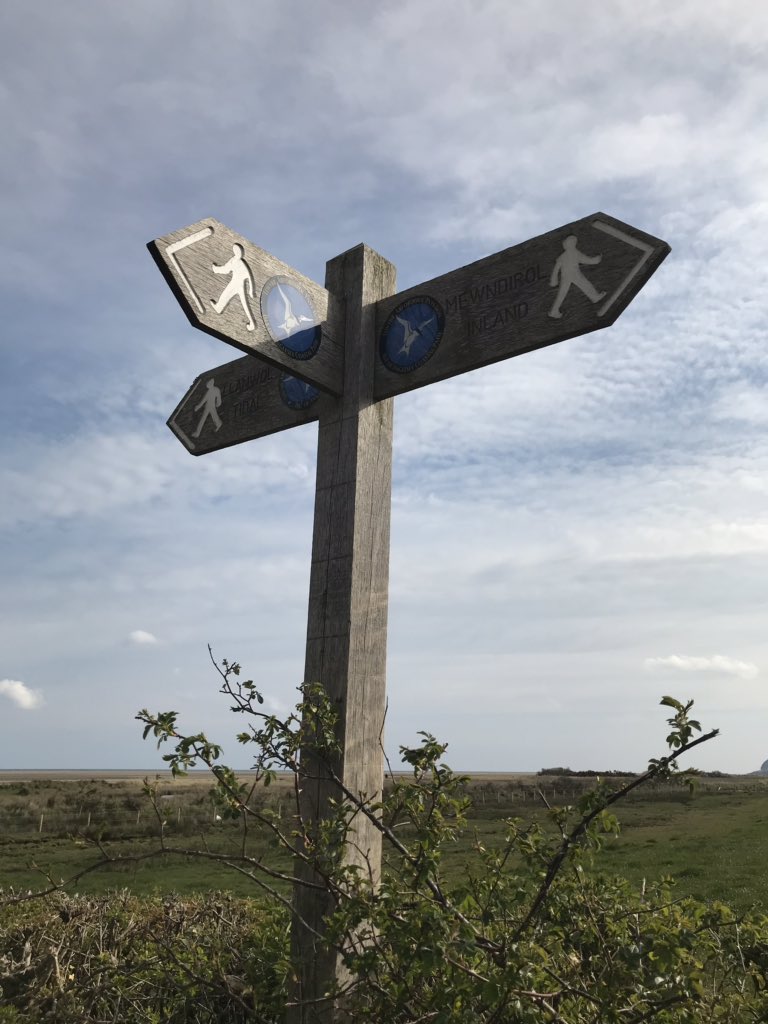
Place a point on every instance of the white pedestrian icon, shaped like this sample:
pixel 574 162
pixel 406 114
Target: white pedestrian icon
pixel 209 403
pixel 567 271
pixel 410 333
pixel 240 284
pixel 290 320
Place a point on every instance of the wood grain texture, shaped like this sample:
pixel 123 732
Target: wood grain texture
pixel 255 399
pixel 502 306
pixel 186 259
pixel 347 622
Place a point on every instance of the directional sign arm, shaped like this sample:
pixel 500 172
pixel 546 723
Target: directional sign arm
pixel 237 292
pixel 240 401
pixel 567 282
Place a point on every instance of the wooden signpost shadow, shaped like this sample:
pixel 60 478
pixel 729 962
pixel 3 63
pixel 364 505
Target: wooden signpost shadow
pixel 339 355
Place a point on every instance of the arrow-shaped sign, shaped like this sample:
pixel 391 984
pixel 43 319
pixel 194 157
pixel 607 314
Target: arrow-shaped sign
pixel 570 281
pixel 240 401
pixel 239 293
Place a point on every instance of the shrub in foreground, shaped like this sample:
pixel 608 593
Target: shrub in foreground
pixel 199 960
pixel 534 934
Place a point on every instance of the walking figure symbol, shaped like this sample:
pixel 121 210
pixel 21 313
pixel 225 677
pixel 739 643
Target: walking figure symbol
pixel 240 284
pixel 209 403
pixel 567 272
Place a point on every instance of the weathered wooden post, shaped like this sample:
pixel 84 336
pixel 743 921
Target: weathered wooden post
pixel 347 622
pixel 339 355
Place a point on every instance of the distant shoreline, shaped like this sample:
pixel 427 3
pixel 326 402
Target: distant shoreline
pixel 195 774
pixel 50 774
pixel 121 774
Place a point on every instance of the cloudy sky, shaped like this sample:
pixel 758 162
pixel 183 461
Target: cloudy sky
pixel 575 532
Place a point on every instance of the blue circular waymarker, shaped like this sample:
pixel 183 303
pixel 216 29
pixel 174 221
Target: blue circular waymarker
pixel 411 334
pixel 297 394
pixel 291 321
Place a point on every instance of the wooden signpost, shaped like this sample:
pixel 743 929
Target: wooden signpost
pixel 372 345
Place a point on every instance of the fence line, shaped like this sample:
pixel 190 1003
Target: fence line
pixel 183 818
pixel 47 823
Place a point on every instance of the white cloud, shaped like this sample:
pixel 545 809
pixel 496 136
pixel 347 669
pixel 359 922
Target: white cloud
pixel 717 663
pixel 101 475
pixel 20 694
pixel 556 517
pixel 743 402
pixel 142 638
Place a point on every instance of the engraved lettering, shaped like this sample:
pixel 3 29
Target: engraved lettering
pixel 489 290
pixel 491 321
pixel 246 407
pixel 260 377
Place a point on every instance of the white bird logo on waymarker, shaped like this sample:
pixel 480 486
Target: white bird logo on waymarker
pixel 290 320
pixel 410 334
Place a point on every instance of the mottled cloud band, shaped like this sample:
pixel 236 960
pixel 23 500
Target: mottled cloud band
pixel 717 663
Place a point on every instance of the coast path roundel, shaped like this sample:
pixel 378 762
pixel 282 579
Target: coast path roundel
pixel 290 318
pixel 411 334
pixel 297 394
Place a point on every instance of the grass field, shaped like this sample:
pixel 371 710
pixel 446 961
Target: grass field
pixel 714 843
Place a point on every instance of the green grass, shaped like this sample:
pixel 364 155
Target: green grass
pixel 48 828
pixel 715 844
pixel 28 865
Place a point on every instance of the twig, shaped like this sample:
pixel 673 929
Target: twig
pixel 576 833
